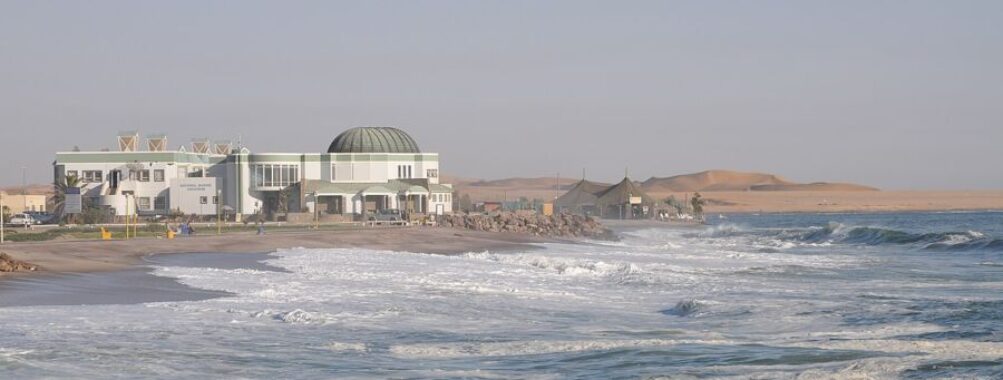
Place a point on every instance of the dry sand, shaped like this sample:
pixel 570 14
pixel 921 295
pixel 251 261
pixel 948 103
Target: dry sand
pixel 847 201
pixel 793 201
pixel 97 255
pixel 727 193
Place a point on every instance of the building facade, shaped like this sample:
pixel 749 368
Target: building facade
pixel 18 203
pixel 365 170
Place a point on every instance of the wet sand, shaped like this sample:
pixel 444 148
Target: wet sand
pixel 97 256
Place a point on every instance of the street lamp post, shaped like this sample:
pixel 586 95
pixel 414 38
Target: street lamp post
pixel 219 219
pixel 24 189
pixel 1 219
pixel 316 212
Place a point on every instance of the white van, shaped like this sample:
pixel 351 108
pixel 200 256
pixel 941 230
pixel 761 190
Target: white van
pixel 21 219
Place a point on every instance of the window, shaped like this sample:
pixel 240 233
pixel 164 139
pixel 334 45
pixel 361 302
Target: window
pixel 268 175
pixel 404 171
pixel 72 174
pixel 143 203
pixel 432 173
pixel 204 200
pixel 215 200
pixel 158 175
pixel 143 175
pixel 92 176
pixel 160 203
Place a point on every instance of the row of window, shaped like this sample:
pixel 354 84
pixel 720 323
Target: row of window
pixel 269 175
pixel 443 198
pixel 143 203
pixel 88 177
pixel 97 176
pixel 160 203
pixel 403 171
pixel 265 175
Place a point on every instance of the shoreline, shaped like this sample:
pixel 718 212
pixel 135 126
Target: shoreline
pixel 90 256
pixel 853 212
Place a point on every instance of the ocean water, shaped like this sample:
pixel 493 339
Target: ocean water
pixel 916 295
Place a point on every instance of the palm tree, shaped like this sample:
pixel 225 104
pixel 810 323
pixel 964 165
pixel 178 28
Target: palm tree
pixel 698 202
pixel 59 198
pixel 283 206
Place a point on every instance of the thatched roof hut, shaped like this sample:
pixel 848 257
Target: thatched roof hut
pixel 613 201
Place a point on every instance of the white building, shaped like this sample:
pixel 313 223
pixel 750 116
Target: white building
pixel 364 170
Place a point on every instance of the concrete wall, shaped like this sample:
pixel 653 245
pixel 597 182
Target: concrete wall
pixel 18 203
pixel 194 195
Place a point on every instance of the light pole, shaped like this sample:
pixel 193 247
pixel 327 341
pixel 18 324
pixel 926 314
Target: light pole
pixel 1 219
pixel 24 189
pixel 128 213
pixel 316 212
pixel 219 219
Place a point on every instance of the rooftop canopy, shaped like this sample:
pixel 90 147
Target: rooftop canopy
pixel 373 140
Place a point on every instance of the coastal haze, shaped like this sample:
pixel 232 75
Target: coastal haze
pixel 895 95
pixel 501 189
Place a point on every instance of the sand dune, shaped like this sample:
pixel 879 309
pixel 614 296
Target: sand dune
pixel 726 180
pixel 547 183
pixel 30 189
pixel 816 186
pixel 847 201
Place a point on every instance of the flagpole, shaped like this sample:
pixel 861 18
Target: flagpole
pixel 1 219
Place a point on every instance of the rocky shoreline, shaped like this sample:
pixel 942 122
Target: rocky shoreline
pixel 557 226
pixel 10 264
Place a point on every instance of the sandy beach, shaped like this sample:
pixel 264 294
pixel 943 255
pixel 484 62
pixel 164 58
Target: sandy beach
pixel 846 201
pixel 97 255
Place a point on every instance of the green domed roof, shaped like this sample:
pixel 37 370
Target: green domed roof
pixel 373 140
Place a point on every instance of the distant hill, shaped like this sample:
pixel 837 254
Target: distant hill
pixel 508 188
pixel 711 180
pixel 726 180
pixel 30 189
pixel 816 186
pixel 525 183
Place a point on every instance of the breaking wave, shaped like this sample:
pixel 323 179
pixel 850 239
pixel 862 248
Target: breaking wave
pixel 619 272
pixel 867 235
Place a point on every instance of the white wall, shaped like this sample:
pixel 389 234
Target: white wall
pixel 187 195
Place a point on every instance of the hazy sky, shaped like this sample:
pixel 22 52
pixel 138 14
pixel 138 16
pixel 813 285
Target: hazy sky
pixel 896 94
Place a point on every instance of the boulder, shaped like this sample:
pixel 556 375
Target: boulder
pixel 560 225
pixel 9 264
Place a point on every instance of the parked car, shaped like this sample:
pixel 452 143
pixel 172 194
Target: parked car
pixel 21 219
pixel 390 216
pixel 42 217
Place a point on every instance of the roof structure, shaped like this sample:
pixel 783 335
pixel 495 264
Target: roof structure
pixel 588 196
pixel 622 192
pixel 373 140
pixel 584 193
pixel 394 186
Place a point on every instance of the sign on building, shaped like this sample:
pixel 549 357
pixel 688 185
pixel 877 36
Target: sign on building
pixel 635 200
pixel 73 202
pixel 196 195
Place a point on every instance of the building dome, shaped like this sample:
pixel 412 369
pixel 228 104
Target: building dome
pixel 373 140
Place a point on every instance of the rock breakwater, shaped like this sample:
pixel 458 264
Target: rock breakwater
pixel 558 225
pixel 9 264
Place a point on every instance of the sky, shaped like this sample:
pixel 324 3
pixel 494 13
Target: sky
pixel 894 94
